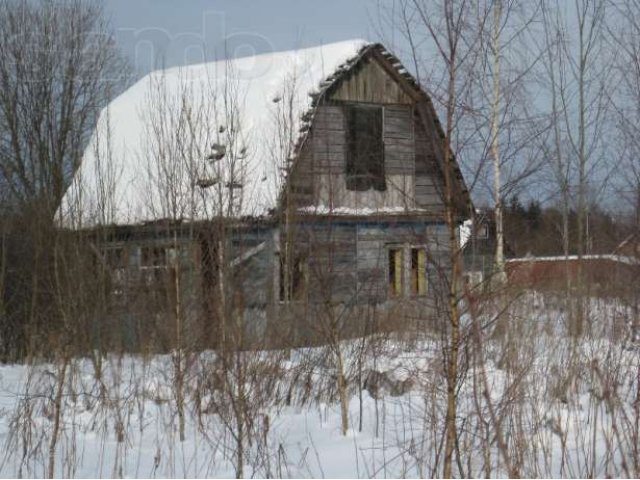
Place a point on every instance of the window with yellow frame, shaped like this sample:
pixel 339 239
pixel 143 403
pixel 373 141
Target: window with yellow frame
pixel 418 271
pixel 416 278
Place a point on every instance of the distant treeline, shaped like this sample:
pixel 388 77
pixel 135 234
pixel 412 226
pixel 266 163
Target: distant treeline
pixel 536 230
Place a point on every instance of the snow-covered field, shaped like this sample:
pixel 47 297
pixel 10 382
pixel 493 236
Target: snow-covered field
pixel 534 402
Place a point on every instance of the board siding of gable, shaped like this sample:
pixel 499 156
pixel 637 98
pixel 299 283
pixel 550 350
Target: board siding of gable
pixel 429 188
pixel 399 144
pixel 413 180
pixel 329 140
pixel 370 83
pixel 302 180
pixel 329 153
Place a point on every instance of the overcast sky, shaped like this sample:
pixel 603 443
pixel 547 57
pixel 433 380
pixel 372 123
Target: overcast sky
pixel 177 32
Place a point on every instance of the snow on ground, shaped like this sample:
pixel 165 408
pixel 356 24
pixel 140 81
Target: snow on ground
pixel 126 424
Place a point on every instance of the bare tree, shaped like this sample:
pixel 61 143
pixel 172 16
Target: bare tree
pixel 625 35
pixel 58 67
pixel 554 67
pixel 447 27
pixel 579 73
pixel 505 127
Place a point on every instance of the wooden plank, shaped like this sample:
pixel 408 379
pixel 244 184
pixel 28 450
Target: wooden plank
pixel 429 201
pixel 325 111
pixel 327 148
pixel 427 181
pixel 398 122
pixel 425 165
pixel 400 145
pixel 399 157
pixel 329 140
pixel 329 118
pixel 325 137
pixel 371 84
pixel 329 162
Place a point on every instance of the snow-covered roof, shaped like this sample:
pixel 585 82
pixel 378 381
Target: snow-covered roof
pixel 147 159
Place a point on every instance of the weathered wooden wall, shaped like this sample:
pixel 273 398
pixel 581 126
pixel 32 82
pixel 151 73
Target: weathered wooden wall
pixel 399 140
pixel 413 178
pixel 347 260
pixel 370 83
pixel 428 177
pixel 252 259
pixel 347 279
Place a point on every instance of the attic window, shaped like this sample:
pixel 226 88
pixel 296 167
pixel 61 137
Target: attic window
pixel 365 157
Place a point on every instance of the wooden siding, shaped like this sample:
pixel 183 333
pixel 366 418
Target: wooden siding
pixel 429 183
pixel 413 177
pixel 347 262
pixel 332 192
pixel 330 253
pixel 301 187
pixel 329 140
pixel 371 84
pixel 399 144
pixel 329 150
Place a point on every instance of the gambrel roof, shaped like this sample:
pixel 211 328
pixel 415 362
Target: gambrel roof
pixel 214 139
pixel 424 106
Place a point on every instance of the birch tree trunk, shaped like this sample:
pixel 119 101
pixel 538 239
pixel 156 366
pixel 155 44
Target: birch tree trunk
pixel 495 147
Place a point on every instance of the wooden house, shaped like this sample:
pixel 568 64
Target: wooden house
pixel 316 208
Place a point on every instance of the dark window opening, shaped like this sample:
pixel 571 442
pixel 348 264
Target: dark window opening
pixel 395 271
pixel 291 285
pixel 365 156
pixel 115 257
pixel 210 262
pixel 153 257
